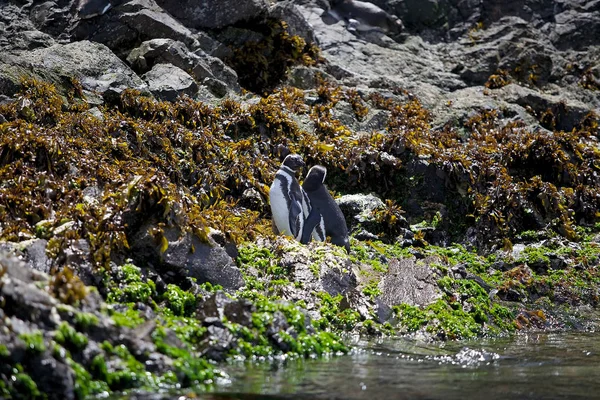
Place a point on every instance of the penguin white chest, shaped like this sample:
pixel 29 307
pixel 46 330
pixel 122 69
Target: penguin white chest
pixel 278 196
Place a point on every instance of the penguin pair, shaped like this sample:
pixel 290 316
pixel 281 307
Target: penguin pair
pixel 309 210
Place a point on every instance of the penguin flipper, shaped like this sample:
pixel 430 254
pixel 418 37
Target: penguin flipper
pixel 314 217
pixel 296 217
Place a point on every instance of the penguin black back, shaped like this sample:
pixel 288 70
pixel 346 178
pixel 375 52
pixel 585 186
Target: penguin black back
pixel 323 203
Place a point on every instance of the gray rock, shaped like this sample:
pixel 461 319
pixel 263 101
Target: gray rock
pixel 359 209
pixel 159 51
pixel 32 252
pixel 186 255
pixel 297 24
pixel 22 298
pixel 302 77
pixel 167 82
pixel 217 343
pixel 198 64
pixel 410 281
pixel 96 67
pixel 125 25
pixel 219 306
pixel 568 113
pixel 214 14
pixel 54 378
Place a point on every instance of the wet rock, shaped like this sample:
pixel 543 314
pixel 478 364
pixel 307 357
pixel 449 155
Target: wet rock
pixel 168 82
pixel 335 283
pixel 186 255
pixel 410 281
pixel 218 342
pixel 54 378
pixel 219 306
pixel 214 14
pixel 460 272
pixel 278 325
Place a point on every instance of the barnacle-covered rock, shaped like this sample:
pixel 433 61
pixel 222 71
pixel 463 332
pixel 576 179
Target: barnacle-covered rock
pixel 410 281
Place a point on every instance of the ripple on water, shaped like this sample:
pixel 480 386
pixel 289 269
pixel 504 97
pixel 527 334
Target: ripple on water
pixel 544 366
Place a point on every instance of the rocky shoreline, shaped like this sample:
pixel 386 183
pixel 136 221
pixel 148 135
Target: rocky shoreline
pixel 138 142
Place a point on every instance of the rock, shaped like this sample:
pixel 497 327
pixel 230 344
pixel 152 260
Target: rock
pixel 161 51
pixel 217 306
pixel 168 82
pixel 329 273
pixel 253 200
pixel 96 67
pixel 125 25
pixel 55 378
pixel 214 14
pixel 217 343
pixel 22 298
pixel 360 213
pixel 186 255
pixel 199 64
pixel 410 281
pixel 32 251
pixel 335 283
pixel 359 208
pixel 576 28
pixel 297 25
pixel 567 114
pixel 302 77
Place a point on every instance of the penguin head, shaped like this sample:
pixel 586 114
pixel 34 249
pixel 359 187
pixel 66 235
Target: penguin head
pixel 315 177
pixel 294 162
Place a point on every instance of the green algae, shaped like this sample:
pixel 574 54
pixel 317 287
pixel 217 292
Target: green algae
pixel 333 315
pixel 4 352
pixel 129 318
pixel 24 387
pixel 34 342
pixel 178 301
pixel 85 321
pixel 68 336
pixel 372 290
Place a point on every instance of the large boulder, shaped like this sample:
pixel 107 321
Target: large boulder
pixel 214 14
pixel 199 64
pixel 167 82
pixel 97 68
pixel 410 281
pixel 125 26
pixel 186 255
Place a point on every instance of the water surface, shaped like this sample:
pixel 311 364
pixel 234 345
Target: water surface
pixel 533 366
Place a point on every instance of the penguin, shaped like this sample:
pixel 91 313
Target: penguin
pixel 289 204
pixel 364 16
pixel 325 217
